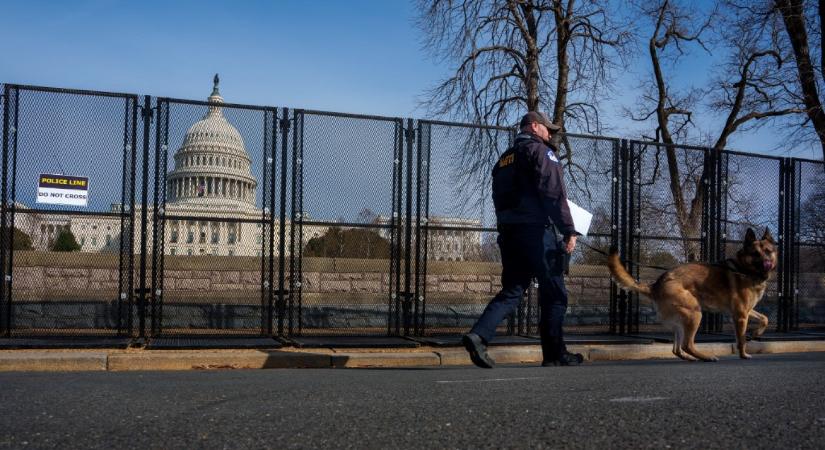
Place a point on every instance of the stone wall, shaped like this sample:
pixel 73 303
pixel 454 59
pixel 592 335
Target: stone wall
pixel 225 292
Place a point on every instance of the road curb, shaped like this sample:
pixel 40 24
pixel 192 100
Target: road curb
pixel 784 347
pixel 132 360
pixel 183 360
pixel 384 359
pixel 623 352
pixel 19 361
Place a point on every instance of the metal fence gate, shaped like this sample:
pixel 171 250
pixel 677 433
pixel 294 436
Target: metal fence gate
pixel 806 214
pixel 458 265
pixel 352 260
pixel 215 225
pixel 59 145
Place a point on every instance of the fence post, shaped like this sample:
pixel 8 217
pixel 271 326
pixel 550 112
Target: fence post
pixel 787 235
pixel 623 231
pixel 417 295
pixel 283 124
pixel 793 233
pixel 709 249
pixel 159 209
pixel 5 303
pixel 141 294
pixel 615 224
pixel 795 212
pixel 409 134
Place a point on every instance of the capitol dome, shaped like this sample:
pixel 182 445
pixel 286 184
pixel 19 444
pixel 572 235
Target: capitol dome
pixel 212 165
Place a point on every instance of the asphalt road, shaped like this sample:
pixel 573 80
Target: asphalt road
pixel 772 401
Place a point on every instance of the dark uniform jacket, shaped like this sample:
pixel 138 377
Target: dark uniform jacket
pixel 528 186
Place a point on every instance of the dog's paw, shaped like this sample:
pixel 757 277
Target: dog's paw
pixel 745 355
pixel 711 359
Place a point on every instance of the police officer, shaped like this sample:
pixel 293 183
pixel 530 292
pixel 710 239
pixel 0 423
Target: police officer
pixel 531 205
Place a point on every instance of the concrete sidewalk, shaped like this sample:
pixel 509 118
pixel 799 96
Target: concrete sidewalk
pixel 140 359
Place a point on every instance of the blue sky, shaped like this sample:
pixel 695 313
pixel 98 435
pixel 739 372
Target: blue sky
pixel 351 56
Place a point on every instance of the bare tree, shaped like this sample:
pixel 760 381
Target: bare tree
pixel 516 55
pixel 511 56
pixel 798 17
pixel 748 88
pixel 753 84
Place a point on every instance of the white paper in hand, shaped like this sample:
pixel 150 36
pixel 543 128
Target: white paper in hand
pixel 581 218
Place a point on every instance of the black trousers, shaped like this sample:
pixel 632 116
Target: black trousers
pixel 530 251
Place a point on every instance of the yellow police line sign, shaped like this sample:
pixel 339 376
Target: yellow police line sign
pixel 63 190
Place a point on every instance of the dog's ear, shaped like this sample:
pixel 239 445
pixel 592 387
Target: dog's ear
pixel 750 236
pixel 767 236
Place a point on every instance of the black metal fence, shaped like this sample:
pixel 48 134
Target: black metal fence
pixel 207 218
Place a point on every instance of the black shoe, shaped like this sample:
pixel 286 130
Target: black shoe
pixel 567 359
pixel 477 350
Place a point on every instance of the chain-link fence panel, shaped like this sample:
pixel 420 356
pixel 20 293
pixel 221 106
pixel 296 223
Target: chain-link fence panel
pixel 214 270
pixel 68 189
pixel 665 219
pixel 591 181
pixel 810 245
pixel 460 255
pixel 351 186
pixel 753 185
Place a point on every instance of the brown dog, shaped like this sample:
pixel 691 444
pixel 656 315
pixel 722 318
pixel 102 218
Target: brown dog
pixel 734 286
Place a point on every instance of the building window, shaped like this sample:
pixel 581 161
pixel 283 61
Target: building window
pixel 203 237
pixel 94 241
pixel 174 237
pixel 215 236
pixel 258 239
pixel 173 251
pixel 108 239
pixel 189 252
pixel 231 252
pixel 190 237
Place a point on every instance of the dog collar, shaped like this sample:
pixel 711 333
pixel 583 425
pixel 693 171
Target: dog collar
pixel 731 265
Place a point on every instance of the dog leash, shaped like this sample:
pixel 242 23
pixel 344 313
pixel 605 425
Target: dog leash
pixel 635 263
pixel 727 264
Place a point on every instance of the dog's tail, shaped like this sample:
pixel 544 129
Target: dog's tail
pixel 621 276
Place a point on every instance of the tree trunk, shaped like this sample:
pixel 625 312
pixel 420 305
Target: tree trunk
pixel 688 221
pixel 562 38
pixel 532 53
pixel 794 18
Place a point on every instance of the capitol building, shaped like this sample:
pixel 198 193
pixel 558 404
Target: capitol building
pixel 211 205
